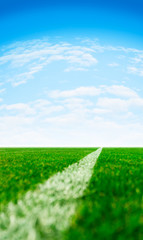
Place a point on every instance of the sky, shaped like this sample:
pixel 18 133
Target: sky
pixel 71 73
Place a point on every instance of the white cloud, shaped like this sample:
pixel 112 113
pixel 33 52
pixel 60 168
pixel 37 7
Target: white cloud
pixel 136 60
pixel 75 69
pixel 78 106
pixel 79 121
pixel 135 70
pixel 77 102
pixel 113 64
pixel 81 91
pixel 118 104
pixel 80 112
pixel 137 102
pixel 38 108
pixel 23 77
pixel 41 104
pixel 29 58
pixel 18 107
pixel 85 59
pixel 2 90
pixel 119 90
pixel 114 104
pixel 101 111
pixel 25 59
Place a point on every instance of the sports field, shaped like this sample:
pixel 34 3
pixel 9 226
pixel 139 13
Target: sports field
pixel 71 193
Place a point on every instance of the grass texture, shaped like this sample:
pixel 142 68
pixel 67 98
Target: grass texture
pixel 21 169
pixel 112 206
pixel 46 212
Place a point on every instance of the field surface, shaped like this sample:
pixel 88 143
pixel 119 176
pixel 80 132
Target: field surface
pixel 22 168
pixel 104 199
pixel 112 205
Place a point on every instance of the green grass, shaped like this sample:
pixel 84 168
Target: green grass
pixel 22 169
pixel 112 206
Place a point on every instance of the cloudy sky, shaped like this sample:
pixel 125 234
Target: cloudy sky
pixel 71 74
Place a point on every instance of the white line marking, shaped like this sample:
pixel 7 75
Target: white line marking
pixel 47 211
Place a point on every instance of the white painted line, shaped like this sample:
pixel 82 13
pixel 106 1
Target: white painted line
pixel 46 212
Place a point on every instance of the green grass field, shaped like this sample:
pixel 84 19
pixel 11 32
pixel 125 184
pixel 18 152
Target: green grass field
pixel 112 205
pixel 22 168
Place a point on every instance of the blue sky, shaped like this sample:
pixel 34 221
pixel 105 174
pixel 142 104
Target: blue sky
pixel 71 73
